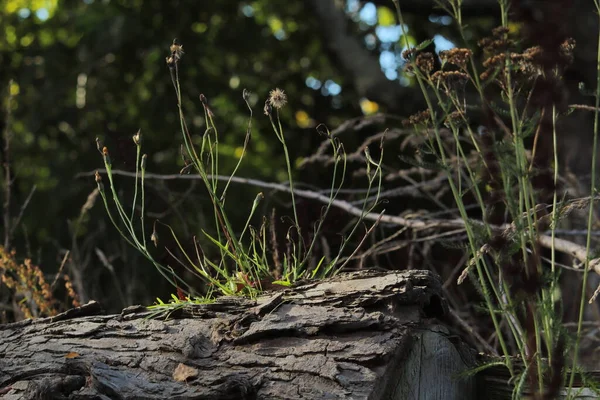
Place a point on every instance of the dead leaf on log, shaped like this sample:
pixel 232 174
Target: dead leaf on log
pixel 183 373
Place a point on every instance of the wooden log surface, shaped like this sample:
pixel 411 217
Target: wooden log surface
pixel 359 335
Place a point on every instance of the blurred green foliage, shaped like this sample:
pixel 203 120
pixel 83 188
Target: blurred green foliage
pixel 83 69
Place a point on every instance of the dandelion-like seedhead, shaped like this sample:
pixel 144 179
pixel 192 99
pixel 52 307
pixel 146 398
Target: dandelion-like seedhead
pixel 277 98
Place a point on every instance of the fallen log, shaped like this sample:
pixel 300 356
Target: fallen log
pixel 361 335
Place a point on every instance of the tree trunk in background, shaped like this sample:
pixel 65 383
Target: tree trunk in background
pixel 361 335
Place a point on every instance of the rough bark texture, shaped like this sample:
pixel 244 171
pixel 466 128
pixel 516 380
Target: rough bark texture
pixel 363 335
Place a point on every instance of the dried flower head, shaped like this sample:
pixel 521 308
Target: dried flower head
pixel 176 50
pixel 154 238
pixel 204 102
pixel 566 50
pixel 277 98
pixel 500 31
pixel 99 181
pixel 137 138
pixel 422 117
pixel 106 155
pixel 267 109
pixel 498 42
pixel 71 291
pixel 425 62
pixel 409 54
pixel 454 119
pixel 450 79
pixel 456 56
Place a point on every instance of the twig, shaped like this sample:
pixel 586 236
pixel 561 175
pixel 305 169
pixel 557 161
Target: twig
pixel 561 245
pixel 367 233
pixel 22 210
pixel 469 329
pixel 582 107
pixel 7 175
pixel 60 269
pixel 341 204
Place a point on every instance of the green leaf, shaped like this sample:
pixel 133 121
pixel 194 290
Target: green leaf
pixel 424 44
pixel 282 283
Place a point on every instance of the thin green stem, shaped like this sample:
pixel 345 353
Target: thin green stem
pixel 590 220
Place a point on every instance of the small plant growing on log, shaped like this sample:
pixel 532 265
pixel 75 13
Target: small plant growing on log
pixel 244 266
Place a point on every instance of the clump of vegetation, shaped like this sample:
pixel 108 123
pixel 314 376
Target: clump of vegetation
pixel 509 168
pixel 249 260
pixel 29 289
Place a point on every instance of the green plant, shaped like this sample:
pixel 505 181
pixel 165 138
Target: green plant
pixel 243 265
pixel 512 181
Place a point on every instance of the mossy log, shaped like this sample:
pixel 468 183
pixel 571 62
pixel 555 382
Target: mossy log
pixel 361 335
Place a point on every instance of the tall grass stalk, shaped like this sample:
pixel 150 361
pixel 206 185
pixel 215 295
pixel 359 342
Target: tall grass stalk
pixel 590 219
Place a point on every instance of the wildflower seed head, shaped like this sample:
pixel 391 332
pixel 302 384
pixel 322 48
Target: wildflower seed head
pixel 456 56
pixel 204 102
pixel 176 50
pixel 425 62
pixel 99 145
pixel 566 50
pixel 277 98
pixel 99 181
pixel 450 79
pixel 454 119
pixel 106 155
pixel 137 138
pixel 245 95
pixel 268 109
pixel 422 117
pixel 500 32
pixel 170 61
pixel 154 238
pixel 498 42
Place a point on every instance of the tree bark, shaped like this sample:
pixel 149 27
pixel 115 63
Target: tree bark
pixel 361 335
